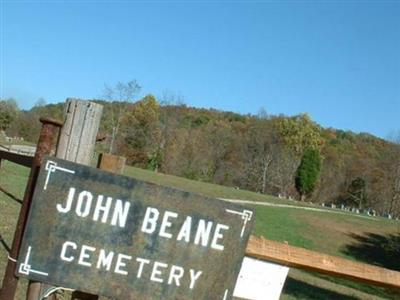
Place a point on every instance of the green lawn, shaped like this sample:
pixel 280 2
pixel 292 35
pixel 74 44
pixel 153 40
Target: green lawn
pixel 329 233
pixel 13 178
pixel 334 234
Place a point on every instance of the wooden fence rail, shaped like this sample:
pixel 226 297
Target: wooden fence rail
pixel 300 258
pixel 19 159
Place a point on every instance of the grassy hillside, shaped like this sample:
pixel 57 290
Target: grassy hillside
pixel 326 231
pixel 341 234
pixel 346 235
pixel 235 150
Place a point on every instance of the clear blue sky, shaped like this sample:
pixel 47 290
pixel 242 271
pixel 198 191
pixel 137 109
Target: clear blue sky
pixel 337 60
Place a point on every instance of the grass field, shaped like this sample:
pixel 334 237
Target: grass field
pixel 368 240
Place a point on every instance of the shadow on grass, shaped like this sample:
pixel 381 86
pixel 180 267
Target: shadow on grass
pixel 4 244
pixel 376 249
pixel 302 290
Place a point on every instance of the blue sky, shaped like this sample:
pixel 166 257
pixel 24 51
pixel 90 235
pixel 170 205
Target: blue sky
pixel 337 60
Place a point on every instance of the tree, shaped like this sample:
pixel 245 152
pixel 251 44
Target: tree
pixel 300 132
pixel 308 172
pixel 261 149
pixel 141 134
pixel 8 112
pixel 357 192
pixel 395 190
pixel 121 92
pixel 391 180
pixel 283 170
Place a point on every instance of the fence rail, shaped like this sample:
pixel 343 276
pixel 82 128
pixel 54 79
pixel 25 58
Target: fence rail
pixel 300 258
pixel 19 149
pixel 19 159
pixel 23 160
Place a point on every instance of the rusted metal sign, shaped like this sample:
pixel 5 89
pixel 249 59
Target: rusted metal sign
pixel 112 235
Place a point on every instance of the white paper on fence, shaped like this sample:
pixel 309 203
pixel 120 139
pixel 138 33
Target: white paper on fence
pixel 260 280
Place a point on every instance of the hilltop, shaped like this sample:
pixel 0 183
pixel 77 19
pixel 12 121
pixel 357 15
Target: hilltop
pixel 260 153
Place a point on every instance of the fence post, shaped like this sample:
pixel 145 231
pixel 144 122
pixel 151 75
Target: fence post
pixel 76 143
pixel 111 163
pixel 44 145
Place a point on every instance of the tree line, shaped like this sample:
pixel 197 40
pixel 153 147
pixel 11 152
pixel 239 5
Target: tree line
pixel 278 155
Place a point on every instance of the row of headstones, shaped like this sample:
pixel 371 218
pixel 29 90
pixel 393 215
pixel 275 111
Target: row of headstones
pixel 280 196
pixel 370 212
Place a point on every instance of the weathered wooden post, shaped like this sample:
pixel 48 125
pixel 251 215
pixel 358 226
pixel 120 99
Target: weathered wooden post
pixel 111 163
pixel 78 135
pixel 76 143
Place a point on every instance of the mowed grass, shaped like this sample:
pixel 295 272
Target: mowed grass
pixel 13 178
pixel 325 232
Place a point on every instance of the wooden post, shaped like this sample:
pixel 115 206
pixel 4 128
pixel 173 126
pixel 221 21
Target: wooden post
pixel 76 143
pixel 111 163
pixel 78 135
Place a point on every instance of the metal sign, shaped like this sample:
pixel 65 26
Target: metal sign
pixel 112 235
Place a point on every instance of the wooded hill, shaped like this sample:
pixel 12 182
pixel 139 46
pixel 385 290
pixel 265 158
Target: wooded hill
pixel 278 155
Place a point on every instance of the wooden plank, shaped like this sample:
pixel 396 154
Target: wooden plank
pixel 300 258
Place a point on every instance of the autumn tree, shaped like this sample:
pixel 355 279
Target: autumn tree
pixel 8 113
pixel 308 172
pixel 141 134
pixel 395 175
pixel 261 150
pixel 390 178
pixel 300 132
pixel 260 153
pixel 220 138
pixel 119 94
pixel 357 192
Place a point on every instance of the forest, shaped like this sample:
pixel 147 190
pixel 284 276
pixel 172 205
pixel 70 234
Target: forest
pixel 286 156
